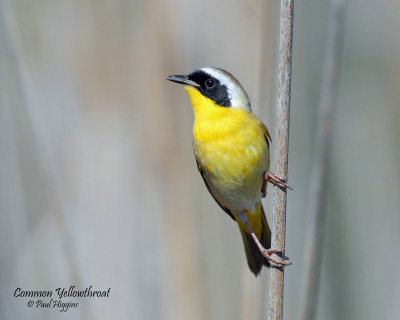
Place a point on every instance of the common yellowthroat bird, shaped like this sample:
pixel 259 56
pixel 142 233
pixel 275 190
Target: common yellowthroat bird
pixel 231 147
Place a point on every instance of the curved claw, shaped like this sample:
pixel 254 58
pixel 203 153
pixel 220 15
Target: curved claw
pixel 275 180
pixel 276 263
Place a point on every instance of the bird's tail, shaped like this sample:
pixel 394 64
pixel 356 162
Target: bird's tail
pixel 255 259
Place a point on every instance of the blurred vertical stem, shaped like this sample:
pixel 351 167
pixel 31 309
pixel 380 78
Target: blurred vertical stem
pixel 281 154
pixel 12 58
pixel 316 204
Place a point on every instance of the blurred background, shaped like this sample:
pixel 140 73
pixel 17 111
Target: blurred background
pixel 98 183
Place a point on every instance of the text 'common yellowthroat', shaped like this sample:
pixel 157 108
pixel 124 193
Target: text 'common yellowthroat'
pixel 231 146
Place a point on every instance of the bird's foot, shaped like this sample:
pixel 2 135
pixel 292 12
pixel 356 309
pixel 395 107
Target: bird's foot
pixel 275 180
pixel 276 263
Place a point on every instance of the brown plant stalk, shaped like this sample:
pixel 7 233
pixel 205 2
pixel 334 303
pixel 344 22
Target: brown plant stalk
pixel 281 155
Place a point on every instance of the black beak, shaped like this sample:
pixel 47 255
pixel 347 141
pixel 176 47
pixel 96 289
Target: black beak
pixel 182 80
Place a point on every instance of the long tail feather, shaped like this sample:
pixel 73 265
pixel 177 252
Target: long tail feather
pixel 255 259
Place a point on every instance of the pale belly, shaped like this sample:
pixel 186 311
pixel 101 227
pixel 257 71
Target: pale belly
pixel 234 169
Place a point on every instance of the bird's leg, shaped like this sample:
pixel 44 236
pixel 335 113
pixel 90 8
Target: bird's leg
pixel 265 252
pixel 275 180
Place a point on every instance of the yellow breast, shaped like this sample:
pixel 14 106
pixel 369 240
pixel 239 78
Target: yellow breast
pixel 231 149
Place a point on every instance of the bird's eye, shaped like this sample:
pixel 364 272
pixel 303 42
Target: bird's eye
pixel 210 83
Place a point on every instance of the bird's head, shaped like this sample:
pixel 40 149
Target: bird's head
pixel 215 84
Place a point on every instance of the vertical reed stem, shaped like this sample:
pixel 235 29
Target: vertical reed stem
pixel 281 155
pixel 316 203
